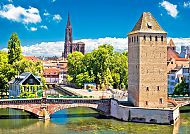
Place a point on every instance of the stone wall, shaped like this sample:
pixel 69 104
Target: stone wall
pixel 145 115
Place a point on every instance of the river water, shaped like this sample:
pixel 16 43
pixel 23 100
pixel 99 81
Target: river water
pixel 82 121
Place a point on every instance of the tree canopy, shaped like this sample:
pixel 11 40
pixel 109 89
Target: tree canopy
pixel 102 66
pixel 14 49
pixel 181 88
pixel 13 63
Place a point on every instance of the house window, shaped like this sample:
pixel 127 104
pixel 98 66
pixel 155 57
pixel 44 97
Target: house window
pixel 161 100
pixel 162 38
pixel 147 88
pixel 156 38
pixel 158 88
pixel 31 81
pixel 132 39
pixel 144 37
pixel 146 102
pixel 150 38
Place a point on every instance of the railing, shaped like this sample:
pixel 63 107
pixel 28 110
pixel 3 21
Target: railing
pixel 53 101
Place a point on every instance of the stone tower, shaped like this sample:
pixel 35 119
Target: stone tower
pixel 147 78
pixel 68 38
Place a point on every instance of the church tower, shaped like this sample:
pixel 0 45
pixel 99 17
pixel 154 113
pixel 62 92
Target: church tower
pixel 68 38
pixel 147 77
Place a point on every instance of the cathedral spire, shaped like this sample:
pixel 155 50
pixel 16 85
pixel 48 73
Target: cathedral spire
pixel 68 21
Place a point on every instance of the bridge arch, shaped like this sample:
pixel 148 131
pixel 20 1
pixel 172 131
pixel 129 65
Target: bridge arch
pixel 55 108
pixel 34 111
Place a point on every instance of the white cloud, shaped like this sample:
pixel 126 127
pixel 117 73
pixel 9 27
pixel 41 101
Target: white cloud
pixel 44 27
pixel 170 8
pixel 186 4
pixel 53 1
pixel 119 44
pixel 56 48
pixel 20 14
pixel 46 13
pixel 57 18
pixel 33 29
pixel 10 0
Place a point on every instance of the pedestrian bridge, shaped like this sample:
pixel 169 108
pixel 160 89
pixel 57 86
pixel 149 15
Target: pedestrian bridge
pixel 44 107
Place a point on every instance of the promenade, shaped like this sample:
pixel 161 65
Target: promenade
pixel 93 94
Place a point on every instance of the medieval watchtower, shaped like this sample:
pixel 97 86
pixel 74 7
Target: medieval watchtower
pixel 147 76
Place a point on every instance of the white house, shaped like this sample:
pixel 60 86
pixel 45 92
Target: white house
pixel 175 76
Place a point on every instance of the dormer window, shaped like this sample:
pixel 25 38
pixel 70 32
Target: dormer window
pixel 149 25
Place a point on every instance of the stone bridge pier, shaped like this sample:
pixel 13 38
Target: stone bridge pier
pixel 44 107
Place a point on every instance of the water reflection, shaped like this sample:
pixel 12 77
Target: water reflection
pixel 82 121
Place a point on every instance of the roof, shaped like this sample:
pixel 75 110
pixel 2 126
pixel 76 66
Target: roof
pixel 147 24
pixel 22 77
pixel 171 43
pixel 171 54
pixel 32 58
pixel 51 71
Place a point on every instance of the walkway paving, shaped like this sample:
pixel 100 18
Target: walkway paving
pixel 94 94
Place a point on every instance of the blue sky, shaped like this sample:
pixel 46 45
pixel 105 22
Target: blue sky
pixel 38 21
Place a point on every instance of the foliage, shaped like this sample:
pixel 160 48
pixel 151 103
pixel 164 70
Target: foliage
pixel 181 88
pixel 14 49
pixel 13 63
pixel 102 66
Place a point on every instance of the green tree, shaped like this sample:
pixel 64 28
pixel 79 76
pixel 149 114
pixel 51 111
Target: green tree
pixel 102 66
pixel 14 49
pixel 181 88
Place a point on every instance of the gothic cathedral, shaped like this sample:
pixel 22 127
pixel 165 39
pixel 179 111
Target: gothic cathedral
pixel 69 46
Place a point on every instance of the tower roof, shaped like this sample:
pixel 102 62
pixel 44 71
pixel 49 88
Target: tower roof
pixel 68 21
pixel 171 43
pixel 147 24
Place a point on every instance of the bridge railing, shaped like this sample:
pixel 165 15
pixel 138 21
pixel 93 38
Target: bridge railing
pixel 52 101
pixel 20 101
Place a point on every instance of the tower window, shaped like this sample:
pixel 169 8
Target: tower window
pixel 150 38
pixel 132 39
pixel 147 88
pixel 146 102
pixel 144 37
pixel 161 100
pixel 129 39
pixel 162 38
pixel 158 88
pixel 156 38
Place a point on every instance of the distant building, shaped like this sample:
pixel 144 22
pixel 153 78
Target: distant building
pixel 24 83
pixel 147 78
pixel 69 46
pixel 175 76
pixel 54 75
pixel 185 52
pixel 173 58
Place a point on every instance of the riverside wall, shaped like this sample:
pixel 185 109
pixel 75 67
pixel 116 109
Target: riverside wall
pixel 144 115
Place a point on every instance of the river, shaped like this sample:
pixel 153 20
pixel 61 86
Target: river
pixel 82 121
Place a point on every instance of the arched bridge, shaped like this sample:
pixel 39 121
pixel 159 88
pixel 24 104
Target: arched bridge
pixel 44 107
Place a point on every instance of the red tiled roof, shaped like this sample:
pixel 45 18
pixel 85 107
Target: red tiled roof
pixel 51 71
pixel 32 58
pixel 182 59
pixel 171 54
